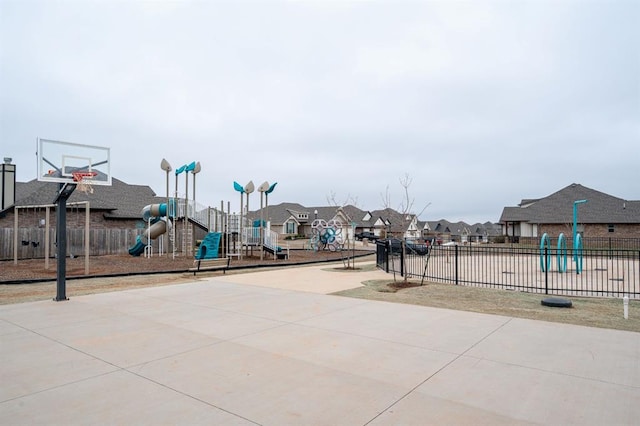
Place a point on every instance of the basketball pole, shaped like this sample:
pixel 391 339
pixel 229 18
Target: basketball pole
pixel 65 191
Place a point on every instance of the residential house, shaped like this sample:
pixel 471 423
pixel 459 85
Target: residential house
pixel 115 206
pixel 291 219
pixel 444 231
pixel 115 217
pixel 602 215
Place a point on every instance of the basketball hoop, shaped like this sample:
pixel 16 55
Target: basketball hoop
pixel 83 180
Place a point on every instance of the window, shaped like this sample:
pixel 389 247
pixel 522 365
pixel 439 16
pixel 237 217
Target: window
pixel 290 228
pixel 612 227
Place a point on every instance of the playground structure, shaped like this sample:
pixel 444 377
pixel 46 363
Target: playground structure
pixel 256 233
pixel 181 222
pixel 210 246
pixel 237 234
pixel 159 222
pixel 326 235
pixel 561 252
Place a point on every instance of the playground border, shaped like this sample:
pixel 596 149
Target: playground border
pixel 186 270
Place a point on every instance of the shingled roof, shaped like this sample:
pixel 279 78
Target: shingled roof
pixel 119 201
pixel 398 222
pixel 557 208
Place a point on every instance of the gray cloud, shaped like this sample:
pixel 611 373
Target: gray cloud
pixel 483 102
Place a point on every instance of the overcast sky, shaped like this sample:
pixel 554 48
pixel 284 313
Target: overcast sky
pixel 482 103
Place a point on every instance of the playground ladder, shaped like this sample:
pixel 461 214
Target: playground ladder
pixel 187 239
pixel 172 239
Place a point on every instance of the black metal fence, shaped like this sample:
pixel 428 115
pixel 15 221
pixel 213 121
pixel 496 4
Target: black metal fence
pixel 602 243
pixel 584 272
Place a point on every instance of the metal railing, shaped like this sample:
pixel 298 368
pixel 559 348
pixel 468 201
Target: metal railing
pixel 604 243
pixel 208 217
pixel 584 272
pixel 251 237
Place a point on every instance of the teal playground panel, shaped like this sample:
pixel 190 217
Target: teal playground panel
pixel 209 247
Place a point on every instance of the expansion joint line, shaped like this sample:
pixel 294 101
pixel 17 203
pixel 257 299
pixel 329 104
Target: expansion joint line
pixel 438 371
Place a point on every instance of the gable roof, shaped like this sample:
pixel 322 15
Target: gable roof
pixel 399 222
pixel 280 213
pixel 557 208
pixel 120 200
pixel 444 226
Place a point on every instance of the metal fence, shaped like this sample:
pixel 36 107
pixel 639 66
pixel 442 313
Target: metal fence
pixel 585 272
pixel 603 243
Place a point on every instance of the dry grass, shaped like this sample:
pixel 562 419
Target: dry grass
pixel 79 287
pixel 592 312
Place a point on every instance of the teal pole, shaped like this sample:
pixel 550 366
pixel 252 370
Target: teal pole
pixel 575 226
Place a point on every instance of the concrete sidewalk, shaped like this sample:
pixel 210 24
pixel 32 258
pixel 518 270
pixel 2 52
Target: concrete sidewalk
pixel 269 348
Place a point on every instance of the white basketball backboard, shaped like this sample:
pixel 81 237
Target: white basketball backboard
pixel 58 161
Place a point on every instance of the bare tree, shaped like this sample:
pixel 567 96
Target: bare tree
pixel 350 199
pixel 386 198
pixel 405 207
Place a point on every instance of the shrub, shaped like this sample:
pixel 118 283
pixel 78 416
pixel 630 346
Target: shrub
pixel 500 239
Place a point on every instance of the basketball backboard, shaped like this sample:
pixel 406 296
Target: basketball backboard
pixel 58 161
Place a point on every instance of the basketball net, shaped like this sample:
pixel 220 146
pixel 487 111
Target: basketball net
pixel 83 180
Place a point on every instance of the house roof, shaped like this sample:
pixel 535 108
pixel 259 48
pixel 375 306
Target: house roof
pixel 399 222
pixel 282 212
pixel 446 227
pixel 456 228
pixel 557 208
pixel 125 201
pixel 119 201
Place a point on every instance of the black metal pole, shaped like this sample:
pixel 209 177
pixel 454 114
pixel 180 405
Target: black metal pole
pixel 64 193
pixel 546 270
pixel 401 261
pixel 456 262
pixel 387 246
pixel 61 238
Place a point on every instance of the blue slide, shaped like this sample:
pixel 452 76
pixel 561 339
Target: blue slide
pixel 159 225
pixel 138 248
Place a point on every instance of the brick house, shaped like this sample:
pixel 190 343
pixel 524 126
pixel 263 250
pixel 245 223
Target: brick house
pixel 289 219
pixel 601 216
pixel 115 210
pixel 115 206
pixel 445 231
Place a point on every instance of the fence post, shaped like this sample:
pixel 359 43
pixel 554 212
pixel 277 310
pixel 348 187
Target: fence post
pixel 546 270
pixel 610 256
pixel 402 258
pixel 456 263
pixel 386 254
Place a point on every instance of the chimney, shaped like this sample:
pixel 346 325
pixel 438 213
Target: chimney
pixel 8 173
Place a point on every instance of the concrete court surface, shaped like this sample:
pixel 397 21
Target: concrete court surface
pixel 255 349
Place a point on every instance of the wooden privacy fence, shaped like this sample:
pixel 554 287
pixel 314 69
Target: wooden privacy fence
pixel 31 242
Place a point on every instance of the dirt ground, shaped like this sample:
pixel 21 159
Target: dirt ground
pixel 126 272
pixel 591 312
pixel 30 281
pixel 34 269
